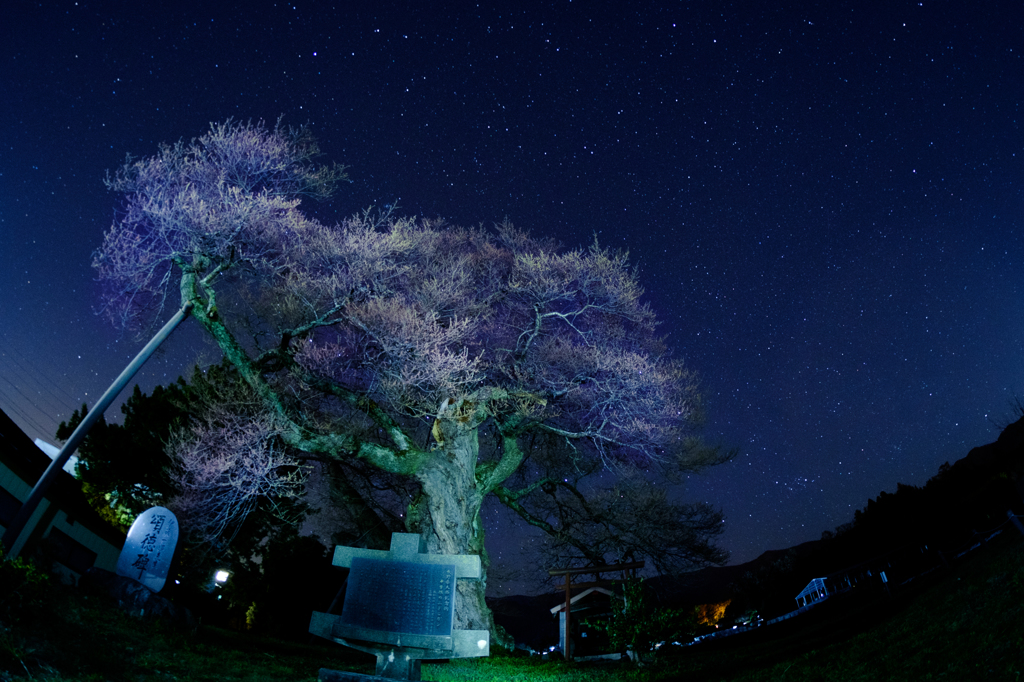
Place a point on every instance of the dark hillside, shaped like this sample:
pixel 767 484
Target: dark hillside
pixel 904 533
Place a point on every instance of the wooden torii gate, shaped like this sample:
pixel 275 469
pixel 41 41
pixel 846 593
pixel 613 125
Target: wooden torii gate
pixel 569 572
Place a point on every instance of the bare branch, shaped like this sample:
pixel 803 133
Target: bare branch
pixel 225 465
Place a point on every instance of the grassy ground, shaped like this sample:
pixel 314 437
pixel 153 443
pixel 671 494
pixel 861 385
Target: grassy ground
pixel 87 639
pixel 966 623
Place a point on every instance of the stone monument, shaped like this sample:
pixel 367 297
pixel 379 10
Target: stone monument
pixel 399 606
pixel 149 548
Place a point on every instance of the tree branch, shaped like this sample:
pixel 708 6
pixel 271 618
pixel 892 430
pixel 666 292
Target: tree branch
pixel 511 500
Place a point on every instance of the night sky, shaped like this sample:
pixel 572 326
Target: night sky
pixel 823 199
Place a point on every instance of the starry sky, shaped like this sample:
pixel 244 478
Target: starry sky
pixel 823 199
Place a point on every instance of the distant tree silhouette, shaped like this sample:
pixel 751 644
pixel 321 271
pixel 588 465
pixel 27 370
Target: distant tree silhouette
pixel 123 466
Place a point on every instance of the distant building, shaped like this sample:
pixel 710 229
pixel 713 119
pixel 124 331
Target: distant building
pixel 594 602
pixel 64 529
pixel 815 591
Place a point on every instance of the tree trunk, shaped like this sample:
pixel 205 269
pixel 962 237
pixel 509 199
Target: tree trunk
pixel 447 514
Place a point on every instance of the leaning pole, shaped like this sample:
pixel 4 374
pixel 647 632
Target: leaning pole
pixel 28 507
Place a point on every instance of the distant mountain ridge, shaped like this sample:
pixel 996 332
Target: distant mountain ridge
pixel 714 584
pixel 964 499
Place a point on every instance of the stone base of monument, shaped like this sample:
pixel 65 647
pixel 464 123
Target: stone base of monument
pixel 394 661
pixel 135 598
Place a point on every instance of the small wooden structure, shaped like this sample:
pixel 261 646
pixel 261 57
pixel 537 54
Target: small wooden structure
pixel 628 570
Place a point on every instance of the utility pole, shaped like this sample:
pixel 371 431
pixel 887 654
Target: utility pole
pixel 17 527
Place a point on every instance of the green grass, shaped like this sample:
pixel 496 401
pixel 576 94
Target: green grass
pixel 88 640
pixel 966 623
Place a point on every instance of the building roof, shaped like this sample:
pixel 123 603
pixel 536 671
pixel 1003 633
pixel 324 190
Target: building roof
pixel 816 587
pixel 26 461
pixel 583 595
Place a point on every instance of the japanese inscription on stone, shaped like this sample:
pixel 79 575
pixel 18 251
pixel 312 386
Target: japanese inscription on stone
pixel 399 606
pixel 400 596
pixel 149 548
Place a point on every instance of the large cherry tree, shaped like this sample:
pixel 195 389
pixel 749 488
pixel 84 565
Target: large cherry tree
pixel 430 352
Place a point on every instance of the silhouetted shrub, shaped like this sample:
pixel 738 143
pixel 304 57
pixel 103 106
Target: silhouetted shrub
pixel 23 589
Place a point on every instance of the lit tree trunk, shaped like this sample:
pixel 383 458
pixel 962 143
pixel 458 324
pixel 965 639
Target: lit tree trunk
pixel 447 514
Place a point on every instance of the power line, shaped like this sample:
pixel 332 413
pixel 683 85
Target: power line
pixel 20 377
pixel 23 387
pixel 13 407
pixel 27 361
pixel 36 381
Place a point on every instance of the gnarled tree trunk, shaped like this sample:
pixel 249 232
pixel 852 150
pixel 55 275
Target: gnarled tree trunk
pixel 447 514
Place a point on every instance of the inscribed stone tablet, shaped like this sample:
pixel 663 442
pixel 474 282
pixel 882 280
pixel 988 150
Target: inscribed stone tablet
pixel 400 596
pixel 148 551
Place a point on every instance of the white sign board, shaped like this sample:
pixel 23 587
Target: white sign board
pixel 148 551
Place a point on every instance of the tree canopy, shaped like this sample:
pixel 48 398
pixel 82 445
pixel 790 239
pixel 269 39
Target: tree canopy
pixel 123 466
pixel 466 361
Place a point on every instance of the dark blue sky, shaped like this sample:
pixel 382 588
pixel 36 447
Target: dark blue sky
pixel 824 199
